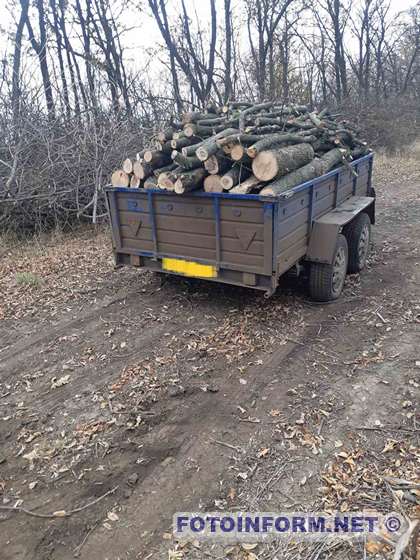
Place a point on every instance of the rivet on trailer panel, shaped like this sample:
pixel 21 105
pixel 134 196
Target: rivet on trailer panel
pixel 170 207
pixel 237 212
pixel 199 209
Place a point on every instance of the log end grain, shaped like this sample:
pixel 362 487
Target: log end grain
pixel 265 166
pixel 213 183
pixel 120 178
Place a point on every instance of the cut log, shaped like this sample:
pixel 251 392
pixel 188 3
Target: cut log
pixel 167 181
pixel 186 162
pixel 245 139
pixel 210 147
pixel 309 171
pixel 150 183
pixel 237 152
pixel 277 140
pixel 315 168
pixel 120 178
pixel 234 176
pixel 213 183
pixel 135 182
pixel 127 166
pixel 333 158
pixel 190 150
pixel 190 180
pixel 275 163
pixel 246 186
pixel 164 169
pixel 253 109
pixel 212 122
pixel 141 169
pixel 202 131
pixel 195 116
pixel 184 142
pixel 156 159
pixel 165 135
pixel 165 147
pixel 217 164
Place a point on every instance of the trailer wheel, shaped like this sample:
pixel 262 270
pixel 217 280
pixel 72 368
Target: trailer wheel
pixel 357 233
pixel 326 281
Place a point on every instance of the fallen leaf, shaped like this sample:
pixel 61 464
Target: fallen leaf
pixel 60 382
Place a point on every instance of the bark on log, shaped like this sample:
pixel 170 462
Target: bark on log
pixel 166 134
pixel 217 163
pixel 120 178
pixel 210 146
pixel 236 175
pixel 253 109
pixel 127 166
pixel 247 186
pixel 156 159
pixel 213 183
pixel 194 116
pixel 332 158
pixel 190 150
pixel 202 131
pixel 245 139
pixel 275 163
pixel 184 142
pixel 186 162
pixel 150 183
pixel 167 181
pixel 314 169
pixel 276 140
pixel 309 171
pixel 164 169
pixel 190 180
pixel 141 169
pixel 165 147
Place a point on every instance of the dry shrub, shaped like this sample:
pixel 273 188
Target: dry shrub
pixel 391 124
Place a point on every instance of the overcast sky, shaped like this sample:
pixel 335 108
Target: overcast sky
pixel 142 33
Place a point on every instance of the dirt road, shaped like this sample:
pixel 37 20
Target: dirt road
pixel 133 398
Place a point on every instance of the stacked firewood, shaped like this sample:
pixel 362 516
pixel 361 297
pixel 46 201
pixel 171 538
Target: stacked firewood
pixel 243 148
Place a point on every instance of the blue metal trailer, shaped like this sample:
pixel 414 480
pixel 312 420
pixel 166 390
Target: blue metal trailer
pixel 251 240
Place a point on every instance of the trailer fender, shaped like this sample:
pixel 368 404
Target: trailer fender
pixel 323 237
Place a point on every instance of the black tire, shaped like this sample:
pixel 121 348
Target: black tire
pixel 358 233
pixel 326 281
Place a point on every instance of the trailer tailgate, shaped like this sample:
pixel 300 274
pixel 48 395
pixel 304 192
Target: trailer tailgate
pixel 223 232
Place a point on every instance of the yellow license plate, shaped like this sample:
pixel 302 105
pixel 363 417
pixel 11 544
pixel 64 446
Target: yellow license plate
pixel 189 268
